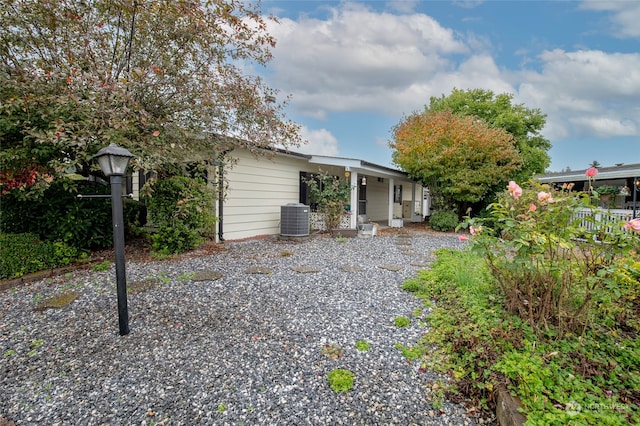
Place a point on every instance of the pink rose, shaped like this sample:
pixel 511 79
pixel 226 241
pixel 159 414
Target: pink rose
pixel 514 190
pixel 532 207
pixel 591 172
pixel 475 231
pixel 545 197
pixel 633 224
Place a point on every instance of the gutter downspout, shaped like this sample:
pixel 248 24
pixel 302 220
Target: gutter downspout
pixel 221 194
pixel 220 200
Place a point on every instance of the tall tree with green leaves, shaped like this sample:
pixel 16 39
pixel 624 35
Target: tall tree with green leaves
pixel 461 159
pixel 164 79
pixel 524 124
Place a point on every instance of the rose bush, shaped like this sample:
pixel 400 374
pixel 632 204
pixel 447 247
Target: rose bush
pixel 553 254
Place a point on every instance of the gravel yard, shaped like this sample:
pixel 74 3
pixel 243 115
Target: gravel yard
pixel 234 337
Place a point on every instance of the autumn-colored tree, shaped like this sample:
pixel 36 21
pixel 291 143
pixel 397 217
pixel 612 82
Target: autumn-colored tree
pixel 524 124
pixel 461 158
pixel 164 79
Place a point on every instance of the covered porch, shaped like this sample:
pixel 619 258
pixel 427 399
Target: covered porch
pixel 379 194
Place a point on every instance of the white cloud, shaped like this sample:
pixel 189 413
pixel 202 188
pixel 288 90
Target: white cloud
pixel 359 59
pixel 586 92
pixel 605 127
pixel 320 142
pixel 625 16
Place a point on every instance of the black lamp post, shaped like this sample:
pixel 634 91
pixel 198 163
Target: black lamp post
pixel 113 161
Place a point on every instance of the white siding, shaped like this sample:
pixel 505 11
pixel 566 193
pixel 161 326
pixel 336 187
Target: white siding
pixel 258 187
pixel 377 200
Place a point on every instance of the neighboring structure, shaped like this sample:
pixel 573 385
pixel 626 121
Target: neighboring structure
pixel 257 187
pixel 625 177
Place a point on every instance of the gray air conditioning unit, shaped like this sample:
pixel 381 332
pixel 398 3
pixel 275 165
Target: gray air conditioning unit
pixel 294 220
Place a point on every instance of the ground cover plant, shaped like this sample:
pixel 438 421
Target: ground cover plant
pixel 340 380
pixel 546 301
pixel 363 345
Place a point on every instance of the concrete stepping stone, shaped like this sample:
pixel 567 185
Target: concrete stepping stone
pixel 137 287
pixel 394 268
pixel 305 269
pixel 351 268
pixel 258 270
pixel 57 302
pixel 207 275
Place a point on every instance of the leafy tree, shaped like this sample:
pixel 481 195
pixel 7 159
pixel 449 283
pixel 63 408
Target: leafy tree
pixel 461 159
pixel 162 78
pixel 524 124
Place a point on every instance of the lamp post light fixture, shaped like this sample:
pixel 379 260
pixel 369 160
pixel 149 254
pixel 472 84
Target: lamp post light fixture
pixel 114 161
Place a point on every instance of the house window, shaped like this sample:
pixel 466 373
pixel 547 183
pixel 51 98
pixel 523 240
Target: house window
pixel 397 194
pixel 305 196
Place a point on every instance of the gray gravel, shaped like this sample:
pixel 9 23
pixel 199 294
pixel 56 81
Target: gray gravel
pixel 244 347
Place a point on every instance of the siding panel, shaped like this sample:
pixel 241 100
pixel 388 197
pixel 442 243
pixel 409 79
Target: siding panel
pixel 258 187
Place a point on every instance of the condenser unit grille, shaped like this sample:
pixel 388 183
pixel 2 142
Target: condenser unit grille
pixel 294 220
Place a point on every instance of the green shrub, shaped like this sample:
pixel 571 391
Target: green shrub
pixel 181 208
pixel 331 194
pixel 22 254
pixel 443 220
pixel 173 239
pixel 60 216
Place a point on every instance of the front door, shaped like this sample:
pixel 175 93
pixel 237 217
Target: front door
pixel 362 199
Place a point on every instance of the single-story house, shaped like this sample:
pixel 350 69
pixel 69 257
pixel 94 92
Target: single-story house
pixel 257 186
pixel 625 177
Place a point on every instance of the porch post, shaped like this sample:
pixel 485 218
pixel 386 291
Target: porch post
pixel 390 206
pixel 413 202
pixel 353 219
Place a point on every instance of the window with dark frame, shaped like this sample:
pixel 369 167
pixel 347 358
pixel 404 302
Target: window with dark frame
pixel 397 194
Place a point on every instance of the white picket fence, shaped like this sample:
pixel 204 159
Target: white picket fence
pixel 604 220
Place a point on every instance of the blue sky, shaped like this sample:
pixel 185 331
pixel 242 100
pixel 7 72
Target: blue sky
pixel 355 69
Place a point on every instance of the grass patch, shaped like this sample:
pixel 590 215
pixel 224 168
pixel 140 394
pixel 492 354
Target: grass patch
pixel 480 345
pixel 102 266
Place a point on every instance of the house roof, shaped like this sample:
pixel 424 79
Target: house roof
pixel 615 172
pixel 358 165
pixel 350 164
